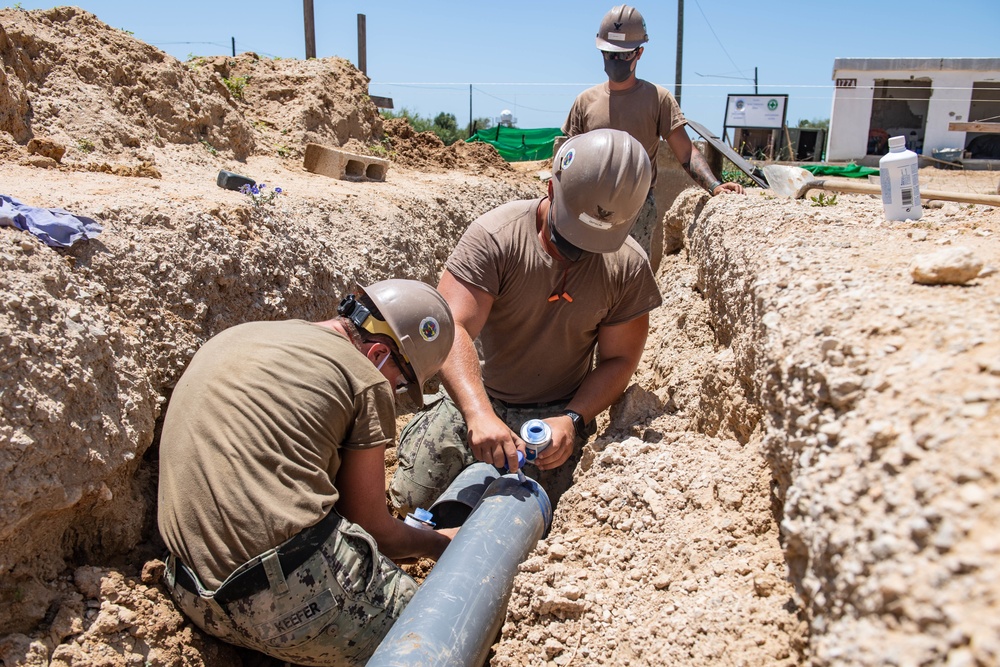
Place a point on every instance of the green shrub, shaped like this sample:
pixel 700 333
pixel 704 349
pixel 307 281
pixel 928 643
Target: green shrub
pixel 824 200
pixel 235 85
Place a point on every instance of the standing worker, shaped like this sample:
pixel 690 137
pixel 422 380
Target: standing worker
pixel 272 476
pixel 643 109
pixel 546 285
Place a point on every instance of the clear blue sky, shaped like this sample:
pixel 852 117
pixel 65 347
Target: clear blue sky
pixel 534 57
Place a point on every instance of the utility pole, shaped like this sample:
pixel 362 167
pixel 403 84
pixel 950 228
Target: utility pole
pixel 754 80
pixel 362 45
pixel 310 24
pixel 680 51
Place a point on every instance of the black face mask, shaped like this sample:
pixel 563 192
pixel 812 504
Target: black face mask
pixel 618 70
pixel 566 249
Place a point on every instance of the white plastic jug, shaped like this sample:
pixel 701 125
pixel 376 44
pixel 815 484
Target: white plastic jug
pixel 900 189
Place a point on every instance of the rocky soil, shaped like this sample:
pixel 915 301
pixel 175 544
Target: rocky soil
pixel 804 472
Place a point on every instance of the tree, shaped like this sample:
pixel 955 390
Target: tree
pixel 446 121
pixel 817 123
pixel 446 127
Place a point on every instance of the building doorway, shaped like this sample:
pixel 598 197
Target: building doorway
pixel 899 109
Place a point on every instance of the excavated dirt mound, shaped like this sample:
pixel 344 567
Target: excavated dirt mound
pixel 107 97
pixel 805 470
pixel 424 150
pixel 100 92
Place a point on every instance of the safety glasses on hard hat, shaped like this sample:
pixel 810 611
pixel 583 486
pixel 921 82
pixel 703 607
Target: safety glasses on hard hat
pixel 624 55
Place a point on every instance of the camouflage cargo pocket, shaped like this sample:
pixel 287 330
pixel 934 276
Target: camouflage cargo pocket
pixel 432 451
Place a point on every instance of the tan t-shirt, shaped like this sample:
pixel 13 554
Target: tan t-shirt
pixel 251 441
pixel 536 351
pixel 646 111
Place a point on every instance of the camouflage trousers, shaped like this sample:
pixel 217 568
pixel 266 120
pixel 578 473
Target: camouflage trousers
pixel 645 224
pixel 433 450
pixel 333 609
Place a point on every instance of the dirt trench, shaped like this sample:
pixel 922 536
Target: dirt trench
pixel 665 551
pixel 769 491
pixel 805 471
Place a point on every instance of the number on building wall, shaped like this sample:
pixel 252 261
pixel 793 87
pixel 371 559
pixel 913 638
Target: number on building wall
pixel 847 83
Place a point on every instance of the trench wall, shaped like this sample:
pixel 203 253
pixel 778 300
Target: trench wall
pixel 879 413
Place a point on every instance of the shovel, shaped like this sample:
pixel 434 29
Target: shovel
pixel 795 182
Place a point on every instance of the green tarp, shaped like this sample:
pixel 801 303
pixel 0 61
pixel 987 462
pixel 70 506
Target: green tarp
pixel 517 145
pixel 847 170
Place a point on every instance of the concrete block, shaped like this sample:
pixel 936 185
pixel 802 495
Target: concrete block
pixel 346 166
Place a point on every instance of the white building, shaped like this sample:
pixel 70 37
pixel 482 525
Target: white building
pixel 876 98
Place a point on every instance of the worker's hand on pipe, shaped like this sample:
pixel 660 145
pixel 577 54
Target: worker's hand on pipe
pixel 433 554
pixel 493 442
pixel 450 533
pixel 561 448
pixel 729 189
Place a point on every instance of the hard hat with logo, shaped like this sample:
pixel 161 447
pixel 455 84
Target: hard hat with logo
pixel 622 29
pixel 416 317
pixel 600 180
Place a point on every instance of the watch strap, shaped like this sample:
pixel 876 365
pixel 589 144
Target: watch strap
pixel 579 424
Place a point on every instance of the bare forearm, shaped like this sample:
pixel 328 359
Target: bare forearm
pixel 463 378
pixel 361 483
pixel 489 438
pixel 603 386
pixel 619 349
pixel 401 542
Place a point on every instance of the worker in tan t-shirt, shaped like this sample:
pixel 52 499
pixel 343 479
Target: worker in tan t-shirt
pixel 272 476
pixel 643 109
pixel 546 285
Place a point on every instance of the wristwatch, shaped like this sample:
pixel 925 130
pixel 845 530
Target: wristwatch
pixel 578 424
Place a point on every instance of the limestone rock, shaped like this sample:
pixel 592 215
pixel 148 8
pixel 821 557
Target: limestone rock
pixel 950 266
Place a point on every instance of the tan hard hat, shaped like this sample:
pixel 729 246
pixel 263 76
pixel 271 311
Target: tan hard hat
pixel 600 180
pixel 421 324
pixel 622 29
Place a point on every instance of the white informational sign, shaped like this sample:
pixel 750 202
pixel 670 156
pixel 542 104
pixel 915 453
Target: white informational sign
pixel 756 111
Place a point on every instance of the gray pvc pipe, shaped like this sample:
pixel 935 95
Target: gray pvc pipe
pixel 455 505
pixel 455 615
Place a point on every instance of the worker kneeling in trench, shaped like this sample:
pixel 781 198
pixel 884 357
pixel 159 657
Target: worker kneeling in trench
pixel 545 284
pixel 272 476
